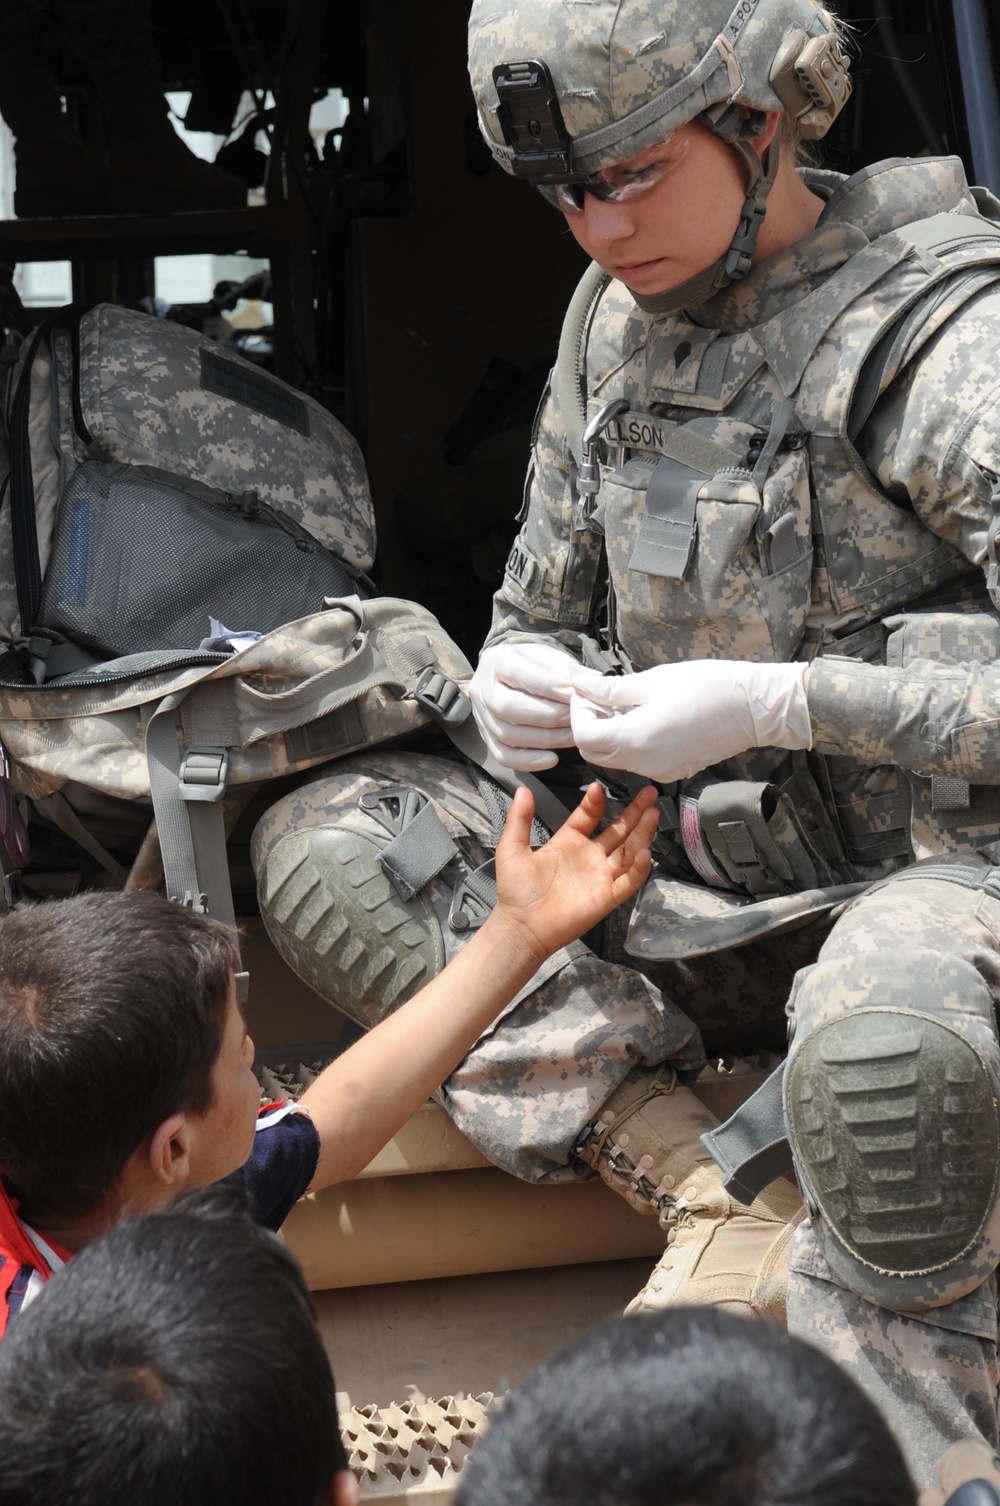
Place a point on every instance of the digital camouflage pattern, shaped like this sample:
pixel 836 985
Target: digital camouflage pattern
pixel 146 398
pixel 934 1376
pixel 848 560
pixel 924 1348
pixel 561 1047
pixel 154 393
pixel 902 705
pixel 908 980
pixel 326 685
pixel 608 60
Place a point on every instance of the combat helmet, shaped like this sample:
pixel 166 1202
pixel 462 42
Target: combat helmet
pixel 566 88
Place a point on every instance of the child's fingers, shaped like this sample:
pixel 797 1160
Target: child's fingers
pixel 588 813
pixel 517 827
pixel 622 857
pixel 628 883
pixel 617 831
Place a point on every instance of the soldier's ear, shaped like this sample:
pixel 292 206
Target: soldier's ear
pixel 763 141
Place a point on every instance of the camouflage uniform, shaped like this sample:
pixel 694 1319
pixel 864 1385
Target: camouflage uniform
pixel 886 735
pixel 871 568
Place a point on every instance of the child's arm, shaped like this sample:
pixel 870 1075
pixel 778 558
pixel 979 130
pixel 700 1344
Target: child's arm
pixel 546 898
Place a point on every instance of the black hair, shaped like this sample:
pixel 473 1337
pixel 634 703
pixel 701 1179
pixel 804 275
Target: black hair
pixel 692 1406
pixel 176 1359
pixel 112 1015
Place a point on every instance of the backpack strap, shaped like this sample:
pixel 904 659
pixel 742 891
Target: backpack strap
pixel 187 786
pixel 188 779
pixel 449 706
pixel 27 566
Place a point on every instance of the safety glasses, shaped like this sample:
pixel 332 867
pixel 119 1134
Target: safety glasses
pixel 619 184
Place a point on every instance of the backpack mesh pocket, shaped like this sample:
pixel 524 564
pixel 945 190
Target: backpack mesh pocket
pixel 142 559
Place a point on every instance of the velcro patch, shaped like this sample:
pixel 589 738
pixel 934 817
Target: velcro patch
pixel 640 431
pixel 523 568
pixel 254 389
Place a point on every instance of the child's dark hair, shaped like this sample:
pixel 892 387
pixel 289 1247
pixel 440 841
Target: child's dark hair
pixel 175 1359
pixel 691 1406
pixel 112 1013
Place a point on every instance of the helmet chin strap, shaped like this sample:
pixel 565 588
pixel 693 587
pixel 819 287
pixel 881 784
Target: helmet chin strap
pixel 736 262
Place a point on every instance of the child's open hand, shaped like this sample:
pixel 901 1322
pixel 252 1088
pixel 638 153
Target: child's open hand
pixel 555 893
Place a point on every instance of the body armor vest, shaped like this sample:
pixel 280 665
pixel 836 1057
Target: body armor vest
pixel 754 530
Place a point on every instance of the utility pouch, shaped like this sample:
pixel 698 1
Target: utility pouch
pixel 762 873
pixel 708 534
pixel 951 815
pixel 755 836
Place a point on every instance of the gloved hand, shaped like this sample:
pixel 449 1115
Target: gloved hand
pixel 520 695
pixel 677 719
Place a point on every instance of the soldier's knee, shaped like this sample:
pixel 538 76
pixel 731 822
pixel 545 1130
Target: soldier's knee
pixel 368 882
pixel 891 1098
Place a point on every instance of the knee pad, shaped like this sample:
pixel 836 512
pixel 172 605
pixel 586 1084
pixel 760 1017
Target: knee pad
pixel 369 879
pixel 891 1094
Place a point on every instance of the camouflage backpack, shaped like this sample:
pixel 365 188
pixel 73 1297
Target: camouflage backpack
pixel 183 597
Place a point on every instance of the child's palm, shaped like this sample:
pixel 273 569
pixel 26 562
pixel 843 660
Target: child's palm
pixel 556 892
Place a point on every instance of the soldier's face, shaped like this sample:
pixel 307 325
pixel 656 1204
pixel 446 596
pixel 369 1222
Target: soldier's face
pixel 682 225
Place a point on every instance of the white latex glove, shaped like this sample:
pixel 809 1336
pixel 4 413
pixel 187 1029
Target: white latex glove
pixel 677 719
pixel 520 695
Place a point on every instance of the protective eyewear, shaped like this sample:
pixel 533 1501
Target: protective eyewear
pixel 617 184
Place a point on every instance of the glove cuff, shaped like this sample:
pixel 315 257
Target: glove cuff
pixel 779 706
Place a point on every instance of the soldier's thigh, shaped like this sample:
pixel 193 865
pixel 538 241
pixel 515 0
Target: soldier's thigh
pixel 891 1091
pixel 737 997
pixel 540 1073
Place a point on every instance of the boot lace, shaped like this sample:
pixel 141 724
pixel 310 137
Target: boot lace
pixel 671 1216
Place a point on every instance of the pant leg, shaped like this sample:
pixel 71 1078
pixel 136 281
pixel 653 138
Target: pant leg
pixel 528 1088
pixel 532 1083
pixel 540 1074
pixel 921 956
pixel 933 1375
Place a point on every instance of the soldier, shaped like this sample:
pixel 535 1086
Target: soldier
pixel 763 488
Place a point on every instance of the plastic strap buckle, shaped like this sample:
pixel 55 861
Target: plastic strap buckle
pixel 744 242
pixel 442 697
pixel 203 773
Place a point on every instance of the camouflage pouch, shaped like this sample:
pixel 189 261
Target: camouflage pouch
pixel 711 549
pixel 949 815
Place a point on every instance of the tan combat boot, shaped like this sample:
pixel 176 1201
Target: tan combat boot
pixel 964 1462
pixel 645 1145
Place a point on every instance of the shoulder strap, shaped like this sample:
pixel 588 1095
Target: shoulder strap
pixel 569 390
pixel 944 233
pixel 27 568
pixel 882 361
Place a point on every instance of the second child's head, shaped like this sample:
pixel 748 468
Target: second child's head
pixel 176 1359
pixel 124 1058
pixel 691 1406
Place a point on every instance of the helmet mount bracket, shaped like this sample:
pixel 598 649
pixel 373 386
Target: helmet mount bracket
pixel 810 77
pixel 532 124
